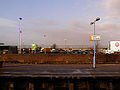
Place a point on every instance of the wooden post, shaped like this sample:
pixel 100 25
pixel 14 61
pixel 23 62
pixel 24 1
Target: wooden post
pixel 11 86
pixel 71 86
pixel 110 86
pixel 30 86
pixel 51 86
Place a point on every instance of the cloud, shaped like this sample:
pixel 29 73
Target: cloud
pixel 78 24
pixel 112 4
pixel 75 31
pixel 111 17
pixel 7 23
pixel 112 9
pixel 50 22
pixel 41 22
pixel 109 24
pixel 109 31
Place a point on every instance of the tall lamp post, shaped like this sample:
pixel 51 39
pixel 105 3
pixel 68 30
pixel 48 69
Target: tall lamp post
pixel 94 59
pixel 20 35
pixel 45 43
pixel 65 43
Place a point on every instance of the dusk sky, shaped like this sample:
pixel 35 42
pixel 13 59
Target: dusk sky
pixel 54 21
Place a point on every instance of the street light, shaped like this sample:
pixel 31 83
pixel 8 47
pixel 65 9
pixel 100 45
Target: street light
pixel 65 43
pixel 94 61
pixel 20 35
pixel 45 44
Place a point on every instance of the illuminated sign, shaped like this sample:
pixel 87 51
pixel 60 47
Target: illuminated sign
pixel 115 45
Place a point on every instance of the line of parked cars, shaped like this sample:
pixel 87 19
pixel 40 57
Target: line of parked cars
pixel 49 50
pixel 80 51
pixel 77 51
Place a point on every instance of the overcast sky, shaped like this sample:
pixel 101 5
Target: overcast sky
pixel 54 21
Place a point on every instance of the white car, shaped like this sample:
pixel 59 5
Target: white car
pixel 109 51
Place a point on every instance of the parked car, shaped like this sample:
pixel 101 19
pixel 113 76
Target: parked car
pixel 80 51
pixel 76 51
pixel 62 51
pixel 54 51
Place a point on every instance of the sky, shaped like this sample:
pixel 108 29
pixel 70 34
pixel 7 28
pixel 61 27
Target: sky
pixel 59 21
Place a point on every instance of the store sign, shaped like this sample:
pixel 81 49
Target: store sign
pixel 115 45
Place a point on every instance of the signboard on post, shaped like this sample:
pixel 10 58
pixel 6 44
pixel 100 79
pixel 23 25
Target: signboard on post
pixel 95 37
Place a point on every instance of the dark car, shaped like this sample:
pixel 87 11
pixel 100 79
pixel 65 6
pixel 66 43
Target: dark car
pixel 80 51
pixel 76 51
pixel 62 51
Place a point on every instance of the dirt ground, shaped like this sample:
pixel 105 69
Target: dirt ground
pixel 60 58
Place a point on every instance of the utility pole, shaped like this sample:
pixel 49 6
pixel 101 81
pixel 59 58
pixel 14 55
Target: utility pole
pixel 19 51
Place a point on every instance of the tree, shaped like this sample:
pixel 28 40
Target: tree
pixel 53 46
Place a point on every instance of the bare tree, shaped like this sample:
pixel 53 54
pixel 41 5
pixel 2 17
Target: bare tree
pixel 53 46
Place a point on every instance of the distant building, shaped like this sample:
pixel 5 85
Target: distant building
pixel 8 49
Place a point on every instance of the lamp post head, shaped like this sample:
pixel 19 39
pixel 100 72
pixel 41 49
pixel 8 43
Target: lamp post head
pixel 65 39
pixel 92 23
pixel 20 18
pixel 44 35
pixel 97 19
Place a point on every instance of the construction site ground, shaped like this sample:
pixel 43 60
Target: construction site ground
pixel 56 58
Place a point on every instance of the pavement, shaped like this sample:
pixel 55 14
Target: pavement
pixel 65 71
